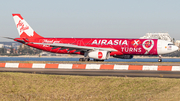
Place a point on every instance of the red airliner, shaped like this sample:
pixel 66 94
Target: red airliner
pixel 98 49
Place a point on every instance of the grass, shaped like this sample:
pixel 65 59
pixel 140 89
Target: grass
pixel 35 87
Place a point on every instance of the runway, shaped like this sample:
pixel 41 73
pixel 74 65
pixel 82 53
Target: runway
pixel 122 73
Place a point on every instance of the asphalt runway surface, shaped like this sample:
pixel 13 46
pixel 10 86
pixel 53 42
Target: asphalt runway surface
pixel 121 73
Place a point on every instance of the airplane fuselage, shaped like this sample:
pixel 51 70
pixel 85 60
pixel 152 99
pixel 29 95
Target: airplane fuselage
pixel 123 46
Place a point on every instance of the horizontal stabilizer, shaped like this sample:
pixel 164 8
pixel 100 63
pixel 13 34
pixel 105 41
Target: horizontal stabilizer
pixel 15 39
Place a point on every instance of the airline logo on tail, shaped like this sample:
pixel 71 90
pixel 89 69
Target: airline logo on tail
pixel 23 27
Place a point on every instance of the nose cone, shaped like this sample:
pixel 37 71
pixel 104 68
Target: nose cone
pixel 175 48
pixel 164 47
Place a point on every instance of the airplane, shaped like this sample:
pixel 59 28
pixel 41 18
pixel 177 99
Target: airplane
pixel 98 49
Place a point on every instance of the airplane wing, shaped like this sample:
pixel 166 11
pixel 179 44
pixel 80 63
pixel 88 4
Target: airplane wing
pixel 75 47
pixel 65 46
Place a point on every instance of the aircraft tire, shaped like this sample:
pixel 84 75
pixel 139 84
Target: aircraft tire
pixel 159 60
pixel 81 59
pixel 86 59
pixel 98 60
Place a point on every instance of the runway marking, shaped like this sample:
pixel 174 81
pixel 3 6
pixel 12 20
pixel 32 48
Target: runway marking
pixel 121 67
pixel 175 68
pixel 78 66
pixel 51 65
pixel 91 66
pixel 36 65
pixel 65 66
pixel 12 65
pixel 107 67
pixel 164 68
pixel 135 67
pixel 25 65
pixel 2 64
pixel 150 68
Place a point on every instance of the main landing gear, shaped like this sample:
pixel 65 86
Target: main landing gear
pixel 84 59
pixel 88 59
pixel 159 60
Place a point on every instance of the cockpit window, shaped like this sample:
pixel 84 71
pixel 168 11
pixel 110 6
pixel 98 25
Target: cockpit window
pixel 171 44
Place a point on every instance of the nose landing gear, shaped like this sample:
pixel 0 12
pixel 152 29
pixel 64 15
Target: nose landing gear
pixel 160 59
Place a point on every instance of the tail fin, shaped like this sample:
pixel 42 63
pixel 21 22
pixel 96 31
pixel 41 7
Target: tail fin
pixel 25 31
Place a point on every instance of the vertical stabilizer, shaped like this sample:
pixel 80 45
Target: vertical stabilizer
pixel 25 31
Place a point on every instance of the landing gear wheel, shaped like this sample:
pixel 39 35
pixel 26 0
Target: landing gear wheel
pixel 98 60
pixel 86 59
pixel 81 59
pixel 159 60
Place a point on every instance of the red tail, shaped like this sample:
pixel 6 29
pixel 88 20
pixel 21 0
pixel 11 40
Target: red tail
pixel 25 31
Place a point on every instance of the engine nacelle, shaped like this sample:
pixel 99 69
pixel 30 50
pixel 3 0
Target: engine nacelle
pixel 100 55
pixel 124 56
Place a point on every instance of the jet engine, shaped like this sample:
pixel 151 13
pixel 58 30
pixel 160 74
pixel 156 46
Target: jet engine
pixel 124 56
pixel 100 55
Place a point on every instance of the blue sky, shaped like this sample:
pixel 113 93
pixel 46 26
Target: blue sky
pixel 92 18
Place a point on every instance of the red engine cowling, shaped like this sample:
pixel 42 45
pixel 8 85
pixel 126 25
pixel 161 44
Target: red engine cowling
pixel 100 55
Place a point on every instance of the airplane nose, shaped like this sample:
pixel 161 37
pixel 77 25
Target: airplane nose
pixel 164 47
pixel 175 48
